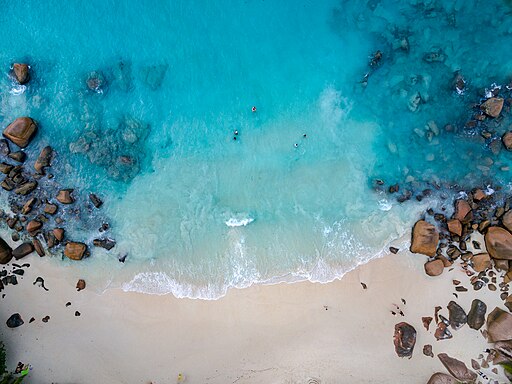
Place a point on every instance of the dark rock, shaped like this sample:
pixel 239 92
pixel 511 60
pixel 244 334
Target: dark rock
pixel 6 168
pixel 44 159
pixel 498 242
pixel 77 313
pixel 21 131
pixel 457 315
pixel 107 243
pixel 492 107
pixel 424 238
pixel 19 272
pixel 95 200
pixel 50 209
pixel 15 236
pixel 442 378
pixel 461 289
pixel 434 267
pixel 5 252
pixel 404 339
pixel 14 321
pixel 22 250
pixel 80 285
pixel 26 188
pixel 40 281
pixel 427 350
pixel 477 285
pixel 457 368
pixel 8 184
pixel 18 156
pixel 4 147
pixel 65 197
pixel 476 316
pixel 74 250
pixel 21 73
pixel 32 319
pixel 45 319
pixel 38 247
pixel 442 332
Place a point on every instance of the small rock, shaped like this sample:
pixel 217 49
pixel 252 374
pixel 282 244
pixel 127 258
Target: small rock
pixel 38 247
pixel 426 321
pixel 21 131
pixel 6 168
pixel 50 209
pixel 75 250
pixel 80 285
pixel 507 140
pixel 457 316
pixel 77 313
pixel 44 159
pixel 492 107
pixel 107 243
pixel 404 339
pixel 479 195
pixel 14 321
pixel 4 147
pixel 481 262
pixel 475 365
pixel 27 207
pixel 393 250
pixel 461 289
pixel 455 227
pixel 434 267
pixel 34 227
pixel 68 303
pixel 476 316
pixel 427 350
pixel 59 234
pixel 45 319
pixel 65 197
pixel 21 73
pixel 32 319
pixel 442 332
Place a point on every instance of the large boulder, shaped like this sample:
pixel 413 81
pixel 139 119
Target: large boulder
pixel 65 197
pixel 21 73
pixel 14 321
pixel 74 250
pixel 498 242
pixel 463 211
pixel 476 315
pixel 499 325
pixel 457 316
pixel 424 238
pixel 44 159
pixel 492 107
pixel 457 368
pixel 434 267
pixel 404 339
pixel 507 220
pixel 481 262
pixel 5 252
pixel 21 131
pixel 442 378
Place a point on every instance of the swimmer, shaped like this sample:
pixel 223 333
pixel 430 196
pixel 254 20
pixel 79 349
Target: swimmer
pixel 253 109
pixel 295 145
pixel 304 135
pixel 234 138
pixel 236 132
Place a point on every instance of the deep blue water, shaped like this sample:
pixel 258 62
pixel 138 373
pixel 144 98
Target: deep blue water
pixel 197 211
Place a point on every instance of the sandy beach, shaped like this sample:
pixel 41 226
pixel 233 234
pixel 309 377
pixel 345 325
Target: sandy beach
pixel 287 333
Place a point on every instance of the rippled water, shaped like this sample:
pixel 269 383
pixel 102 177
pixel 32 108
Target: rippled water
pixel 293 196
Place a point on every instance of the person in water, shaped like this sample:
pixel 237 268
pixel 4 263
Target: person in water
pixel 253 109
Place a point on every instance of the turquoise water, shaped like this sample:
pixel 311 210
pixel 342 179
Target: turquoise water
pixel 198 212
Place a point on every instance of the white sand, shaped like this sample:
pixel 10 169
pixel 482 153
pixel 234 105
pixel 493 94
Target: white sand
pixel 263 334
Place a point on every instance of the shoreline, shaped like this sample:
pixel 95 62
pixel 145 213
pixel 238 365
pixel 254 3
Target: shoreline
pixel 284 333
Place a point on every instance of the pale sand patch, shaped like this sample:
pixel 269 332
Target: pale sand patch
pixel 263 334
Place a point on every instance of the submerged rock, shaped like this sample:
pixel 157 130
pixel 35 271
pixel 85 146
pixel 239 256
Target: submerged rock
pixel 476 316
pixel 498 242
pixel 499 325
pixel 65 197
pixel 404 339
pixel 21 131
pixel 43 159
pixel 107 243
pixel 80 285
pixel 424 238
pixel 507 140
pixel 14 321
pixel 457 368
pixel 96 201
pixel 153 75
pixel 96 82
pixel 21 73
pixel 75 251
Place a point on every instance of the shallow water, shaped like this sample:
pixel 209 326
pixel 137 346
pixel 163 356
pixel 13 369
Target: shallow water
pixel 197 211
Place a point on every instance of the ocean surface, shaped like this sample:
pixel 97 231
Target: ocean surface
pixel 295 196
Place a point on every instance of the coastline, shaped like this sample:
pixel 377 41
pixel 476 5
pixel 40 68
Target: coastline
pixel 283 333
